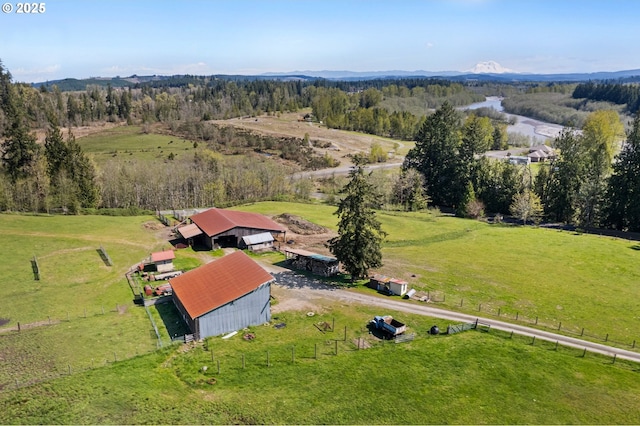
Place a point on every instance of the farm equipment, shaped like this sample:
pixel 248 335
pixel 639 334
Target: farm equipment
pixel 389 325
pixel 163 290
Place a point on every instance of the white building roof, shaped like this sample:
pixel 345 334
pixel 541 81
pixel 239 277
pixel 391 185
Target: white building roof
pixel 265 237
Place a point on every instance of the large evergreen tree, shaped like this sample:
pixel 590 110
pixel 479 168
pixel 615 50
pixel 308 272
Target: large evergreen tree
pixel 622 207
pixel 360 234
pixel 564 179
pixel 436 157
pixel 19 146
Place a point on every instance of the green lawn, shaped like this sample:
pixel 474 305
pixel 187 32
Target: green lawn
pixel 126 142
pixel 118 376
pixel 467 378
pixel 578 280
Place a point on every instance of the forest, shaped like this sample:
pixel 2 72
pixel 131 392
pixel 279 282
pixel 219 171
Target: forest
pixel 44 169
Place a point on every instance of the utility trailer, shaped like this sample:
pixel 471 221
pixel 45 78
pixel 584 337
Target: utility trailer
pixel 389 325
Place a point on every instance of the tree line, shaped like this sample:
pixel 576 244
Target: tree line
pixel 59 176
pixel 617 93
pixel 590 183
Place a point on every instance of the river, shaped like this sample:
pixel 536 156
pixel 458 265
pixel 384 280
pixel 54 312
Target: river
pixel 538 130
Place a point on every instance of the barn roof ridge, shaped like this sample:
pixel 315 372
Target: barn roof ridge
pixel 215 221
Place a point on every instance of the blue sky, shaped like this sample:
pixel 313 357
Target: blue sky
pixel 108 38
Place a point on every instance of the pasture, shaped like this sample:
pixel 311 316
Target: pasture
pixel 99 350
pixel 80 312
pixel 578 280
pixel 130 142
pixel 467 378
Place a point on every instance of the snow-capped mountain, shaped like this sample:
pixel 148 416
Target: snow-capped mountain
pixel 490 67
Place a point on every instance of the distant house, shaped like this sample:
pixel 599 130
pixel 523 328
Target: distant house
pixel 540 153
pixel 258 242
pixel 225 295
pixel 225 228
pixel 316 263
pixel 163 260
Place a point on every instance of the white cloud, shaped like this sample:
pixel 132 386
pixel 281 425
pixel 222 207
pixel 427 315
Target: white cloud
pixel 34 74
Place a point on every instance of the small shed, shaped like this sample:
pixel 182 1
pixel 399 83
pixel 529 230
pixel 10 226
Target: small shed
pixel 388 285
pixel 225 295
pixel 257 242
pixel 316 263
pixel 163 260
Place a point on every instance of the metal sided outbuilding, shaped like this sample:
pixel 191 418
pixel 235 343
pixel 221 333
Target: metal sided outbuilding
pixel 225 295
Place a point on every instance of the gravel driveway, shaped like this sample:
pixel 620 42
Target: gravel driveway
pixel 295 291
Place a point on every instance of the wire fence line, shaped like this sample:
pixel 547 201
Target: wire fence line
pixel 559 326
pixel 339 340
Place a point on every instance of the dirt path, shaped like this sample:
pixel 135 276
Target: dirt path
pixel 297 292
pixel 289 125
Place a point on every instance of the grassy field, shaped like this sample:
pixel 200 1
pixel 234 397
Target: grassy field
pixel 80 313
pixel 467 378
pixel 118 376
pixel 131 142
pixel 578 280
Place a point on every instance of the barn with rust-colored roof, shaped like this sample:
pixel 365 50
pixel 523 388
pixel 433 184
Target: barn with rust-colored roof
pixel 225 295
pixel 226 228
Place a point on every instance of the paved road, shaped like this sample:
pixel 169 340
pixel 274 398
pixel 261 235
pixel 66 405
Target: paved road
pixel 308 289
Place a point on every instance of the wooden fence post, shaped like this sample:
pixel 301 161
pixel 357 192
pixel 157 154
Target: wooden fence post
pixel 218 366
pixel 267 358
pixel 18 326
pixel 559 325
pixel 336 347
pixel 345 333
pixel 461 300
pixel 315 350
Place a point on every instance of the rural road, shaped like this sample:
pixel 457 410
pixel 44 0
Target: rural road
pixel 343 170
pixel 302 288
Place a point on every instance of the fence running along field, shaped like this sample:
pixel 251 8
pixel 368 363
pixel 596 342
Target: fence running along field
pixel 440 298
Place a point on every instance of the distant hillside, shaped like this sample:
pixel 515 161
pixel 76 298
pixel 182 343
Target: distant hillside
pixel 72 84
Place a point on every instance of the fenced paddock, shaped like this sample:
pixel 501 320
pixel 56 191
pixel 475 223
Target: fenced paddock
pixel 78 340
pixel 561 327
